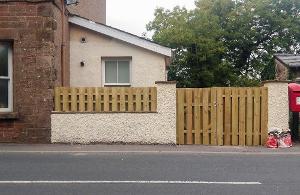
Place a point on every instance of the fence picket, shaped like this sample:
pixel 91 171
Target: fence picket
pixel 65 99
pixel 74 99
pixel 122 100
pixel 90 99
pixel 114 94
pixel 153 99
pixel 106 100
pixel 146 100
pixel 130 100
pixel 81 100
pixel 138 100
pixel 98 100
pixel 57 97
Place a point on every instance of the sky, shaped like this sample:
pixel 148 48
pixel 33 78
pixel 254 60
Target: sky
pixel 133 15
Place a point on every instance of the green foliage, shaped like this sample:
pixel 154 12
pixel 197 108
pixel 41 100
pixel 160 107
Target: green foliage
pixel 226 42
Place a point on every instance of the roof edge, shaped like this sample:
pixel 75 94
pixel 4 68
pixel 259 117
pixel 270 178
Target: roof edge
pixel 120 35
pixel 29 1
pixel 285 59
pixel 279 60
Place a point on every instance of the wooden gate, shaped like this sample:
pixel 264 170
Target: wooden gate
pixel 222 116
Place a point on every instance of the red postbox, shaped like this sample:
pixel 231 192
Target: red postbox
pixel 294 97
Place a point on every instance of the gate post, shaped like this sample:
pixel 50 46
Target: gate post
pixel 278 104
pixel 166 108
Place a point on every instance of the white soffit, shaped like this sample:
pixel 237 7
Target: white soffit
pixel 121 35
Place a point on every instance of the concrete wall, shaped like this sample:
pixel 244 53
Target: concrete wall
pixel 278 104
pixel 145 128
pixel 147 67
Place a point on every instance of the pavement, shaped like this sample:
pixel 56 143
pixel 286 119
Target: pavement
pixel 198 149
pixel 143 169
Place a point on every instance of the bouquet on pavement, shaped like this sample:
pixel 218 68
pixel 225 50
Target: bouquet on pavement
pixel 279 138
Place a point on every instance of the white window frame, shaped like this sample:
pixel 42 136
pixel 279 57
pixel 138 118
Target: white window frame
pixel 9 78
pixel 116 59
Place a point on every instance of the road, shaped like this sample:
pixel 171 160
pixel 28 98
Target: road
pixel 120 170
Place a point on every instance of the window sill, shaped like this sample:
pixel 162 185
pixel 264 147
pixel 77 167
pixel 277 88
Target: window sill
pixel 117 85
pixel 9 115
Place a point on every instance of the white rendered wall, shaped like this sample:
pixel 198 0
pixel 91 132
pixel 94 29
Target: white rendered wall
pixel 144 128
pixel 278 105
pixel 146 67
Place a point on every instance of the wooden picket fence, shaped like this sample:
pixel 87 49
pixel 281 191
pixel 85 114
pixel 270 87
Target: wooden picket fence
pixel 105 99
pixel 222 116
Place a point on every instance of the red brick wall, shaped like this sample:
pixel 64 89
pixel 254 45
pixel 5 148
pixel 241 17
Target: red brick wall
pixel 94 10
pixel 282 72
pixel 32 29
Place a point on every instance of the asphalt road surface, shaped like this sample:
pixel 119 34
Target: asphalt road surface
pixel 84 172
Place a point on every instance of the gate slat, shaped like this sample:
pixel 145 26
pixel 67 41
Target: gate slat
pixel 205 117
pixel 180 116
pixel 189 115
pixel 249 117
pixel 235 117
pixel 256 114
pixel 227 129
pixel 220 110
pixel 201 116
pixel 213 117
pixel 242 116
pixel 264 115
pixel 197 120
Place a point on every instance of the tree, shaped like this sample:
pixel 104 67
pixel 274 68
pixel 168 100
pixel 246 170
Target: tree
pixel 226 42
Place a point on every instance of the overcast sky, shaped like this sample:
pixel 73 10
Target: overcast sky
pixel 133 15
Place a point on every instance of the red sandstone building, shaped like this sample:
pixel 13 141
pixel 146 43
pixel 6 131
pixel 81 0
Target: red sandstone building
pixel 34 58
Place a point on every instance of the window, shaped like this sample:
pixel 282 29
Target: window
pixel 116 72
pixel 5 77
